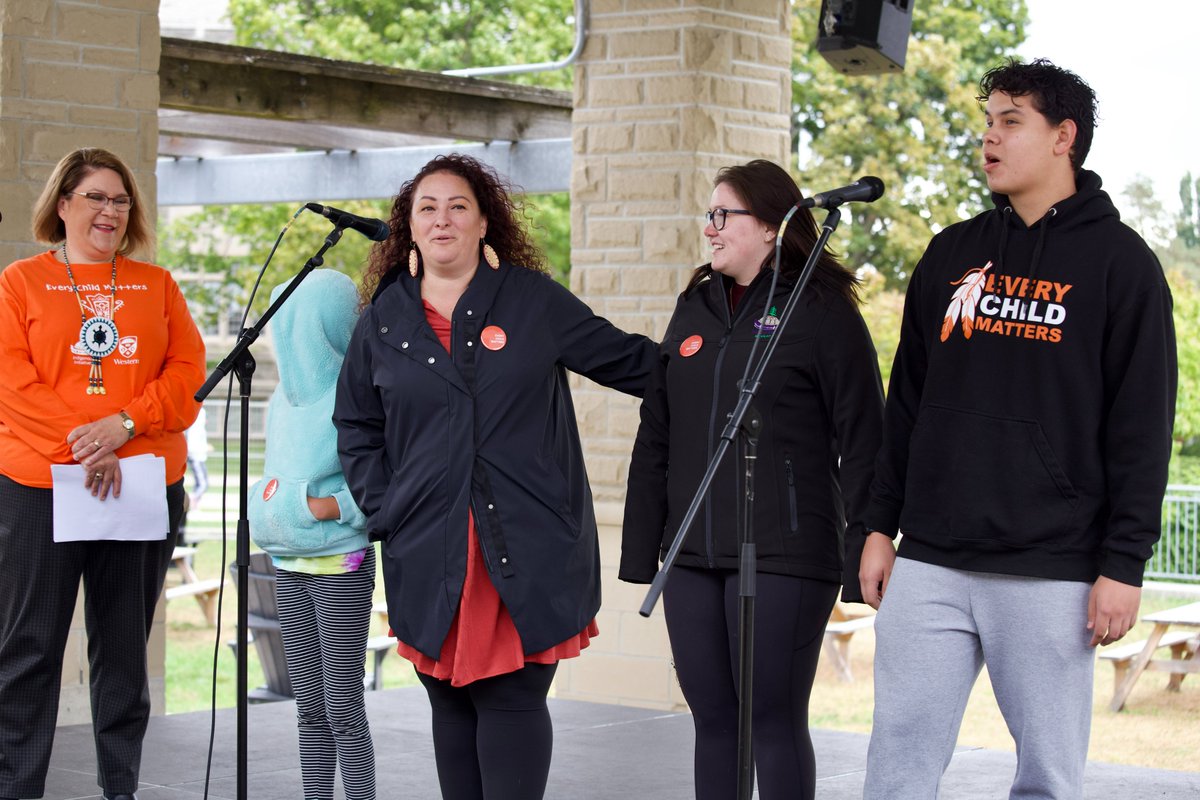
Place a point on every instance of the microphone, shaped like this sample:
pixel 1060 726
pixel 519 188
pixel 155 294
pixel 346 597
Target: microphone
pixel 866 189
pixel 374 229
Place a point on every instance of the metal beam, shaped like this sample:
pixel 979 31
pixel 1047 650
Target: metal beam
pixel 534 166
pixel 269 133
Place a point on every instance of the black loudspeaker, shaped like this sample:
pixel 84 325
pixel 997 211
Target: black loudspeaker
pixel 864 37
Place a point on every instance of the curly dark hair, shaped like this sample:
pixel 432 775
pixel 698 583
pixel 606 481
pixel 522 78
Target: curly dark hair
pixel 769 192
pixel 1055 92
pixel 506 222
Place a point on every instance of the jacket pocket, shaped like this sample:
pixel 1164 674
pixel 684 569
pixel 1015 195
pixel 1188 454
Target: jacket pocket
pixel 978 478
pixel 790 475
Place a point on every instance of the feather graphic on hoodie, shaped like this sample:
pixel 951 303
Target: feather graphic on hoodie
pixel 964 300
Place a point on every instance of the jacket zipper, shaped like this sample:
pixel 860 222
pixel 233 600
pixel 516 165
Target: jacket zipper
pixel 791 482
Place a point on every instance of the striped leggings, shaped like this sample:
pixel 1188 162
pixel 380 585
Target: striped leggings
pixel 325 621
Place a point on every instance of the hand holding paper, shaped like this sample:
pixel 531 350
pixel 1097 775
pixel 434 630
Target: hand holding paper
pixel 138 514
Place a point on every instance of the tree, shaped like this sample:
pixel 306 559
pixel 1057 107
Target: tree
pixel 428 35
pixel 919 130
pixel 1188 226
pixel 421 35
pixel 1144 212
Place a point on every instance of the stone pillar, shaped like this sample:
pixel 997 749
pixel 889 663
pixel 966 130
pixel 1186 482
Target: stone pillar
pixel 666 93
pixel 74 74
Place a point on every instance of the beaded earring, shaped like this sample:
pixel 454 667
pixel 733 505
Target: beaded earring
pixel 414 261
pixel 489 255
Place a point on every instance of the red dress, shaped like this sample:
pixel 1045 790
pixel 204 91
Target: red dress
pixel 482 641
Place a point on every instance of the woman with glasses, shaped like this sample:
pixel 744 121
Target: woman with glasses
pixel 100 359
pixel 821 402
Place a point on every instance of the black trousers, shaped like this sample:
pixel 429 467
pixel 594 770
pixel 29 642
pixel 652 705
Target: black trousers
pixel 492 739
pixel 701 610
pixel 121 582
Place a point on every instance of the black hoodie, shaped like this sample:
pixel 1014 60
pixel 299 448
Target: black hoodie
pixel 1029 416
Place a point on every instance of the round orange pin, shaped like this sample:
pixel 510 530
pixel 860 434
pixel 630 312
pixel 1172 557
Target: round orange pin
pixel 493 337
pixel 691 345
pixel 270 489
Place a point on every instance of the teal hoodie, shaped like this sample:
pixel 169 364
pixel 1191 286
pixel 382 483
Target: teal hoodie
pixel 310 331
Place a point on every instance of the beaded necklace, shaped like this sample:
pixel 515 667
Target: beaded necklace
pixel 97 334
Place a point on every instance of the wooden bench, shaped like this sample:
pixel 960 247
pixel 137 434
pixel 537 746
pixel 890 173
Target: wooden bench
pixel 205 591
pixel 1122 657
pixel 379 646
pixel 839 631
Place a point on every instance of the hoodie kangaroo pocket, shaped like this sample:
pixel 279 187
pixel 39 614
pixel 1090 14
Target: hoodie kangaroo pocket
pixel 973 477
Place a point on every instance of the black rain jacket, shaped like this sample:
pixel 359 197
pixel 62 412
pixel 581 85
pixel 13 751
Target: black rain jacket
pixel 425 435
pixel 821 401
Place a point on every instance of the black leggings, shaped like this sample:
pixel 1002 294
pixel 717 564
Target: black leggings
pixel 701 608
pixel 492 738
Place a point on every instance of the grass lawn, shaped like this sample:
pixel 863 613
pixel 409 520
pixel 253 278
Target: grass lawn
pixel 190 643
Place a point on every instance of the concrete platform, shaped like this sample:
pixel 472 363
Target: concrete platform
pixel 601 752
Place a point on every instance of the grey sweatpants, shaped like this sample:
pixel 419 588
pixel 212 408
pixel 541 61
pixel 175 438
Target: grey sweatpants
pixel 936 629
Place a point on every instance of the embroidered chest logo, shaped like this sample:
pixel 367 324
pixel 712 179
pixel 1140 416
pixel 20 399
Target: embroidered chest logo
pixel 767 325
pixel 1007 305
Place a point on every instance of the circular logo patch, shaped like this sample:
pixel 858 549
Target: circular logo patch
pixel 493 337
pixel 270 489
pixel 691 345
pixel 98 336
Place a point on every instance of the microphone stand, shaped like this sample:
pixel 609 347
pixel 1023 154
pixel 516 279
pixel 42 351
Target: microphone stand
pixel 747 562
pixel 242 361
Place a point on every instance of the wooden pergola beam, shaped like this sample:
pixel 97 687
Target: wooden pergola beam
pixel 247 82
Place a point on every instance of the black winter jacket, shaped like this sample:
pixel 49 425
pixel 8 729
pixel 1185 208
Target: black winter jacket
pixel 424 435
pixel 821 401
pixel 1029 417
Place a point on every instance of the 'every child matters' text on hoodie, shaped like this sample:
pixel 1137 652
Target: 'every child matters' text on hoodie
pixel 1028 424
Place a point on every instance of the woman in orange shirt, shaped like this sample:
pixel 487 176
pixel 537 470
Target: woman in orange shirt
pixel 100 359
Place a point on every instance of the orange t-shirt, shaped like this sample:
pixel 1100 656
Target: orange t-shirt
pixel 157 366
pixel 483 641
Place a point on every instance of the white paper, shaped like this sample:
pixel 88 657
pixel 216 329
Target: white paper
pixel 139 514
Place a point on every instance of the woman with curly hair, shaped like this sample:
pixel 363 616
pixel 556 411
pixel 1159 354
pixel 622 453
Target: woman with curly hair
pixel 457 436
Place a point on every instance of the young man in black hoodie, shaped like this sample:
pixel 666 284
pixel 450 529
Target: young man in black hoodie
pixel 1026 441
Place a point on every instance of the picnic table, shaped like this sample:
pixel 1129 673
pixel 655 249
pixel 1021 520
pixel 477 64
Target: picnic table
pixel 843 624
pixel 1182 643
pixel 190 585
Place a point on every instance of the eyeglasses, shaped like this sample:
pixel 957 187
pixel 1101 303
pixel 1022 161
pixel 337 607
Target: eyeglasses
pixel 717 216
pixel 98 201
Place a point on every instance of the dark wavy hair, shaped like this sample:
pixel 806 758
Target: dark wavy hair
pixel 1055 92
pixel 768 193
pixel 506 222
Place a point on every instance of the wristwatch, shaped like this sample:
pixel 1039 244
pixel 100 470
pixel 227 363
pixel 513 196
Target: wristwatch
pixel 127 423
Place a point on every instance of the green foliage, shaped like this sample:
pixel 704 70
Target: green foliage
pixel 1188 226
pixel 882 310
pixel 1186 294
pixel 1144 212
pixel 222 247
pixel 919 131
pixel 550 215
pixel 220 250
pixel 428 35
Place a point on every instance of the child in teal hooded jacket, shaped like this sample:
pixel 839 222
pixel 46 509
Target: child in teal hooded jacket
pixel 302 513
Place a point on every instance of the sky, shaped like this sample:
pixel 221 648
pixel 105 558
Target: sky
pixel 1135 55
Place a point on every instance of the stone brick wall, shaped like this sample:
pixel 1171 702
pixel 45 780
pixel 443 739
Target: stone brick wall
pixel 75 74
pixel 666 93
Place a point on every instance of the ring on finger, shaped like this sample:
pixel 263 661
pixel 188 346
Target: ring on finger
pixel 97 444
